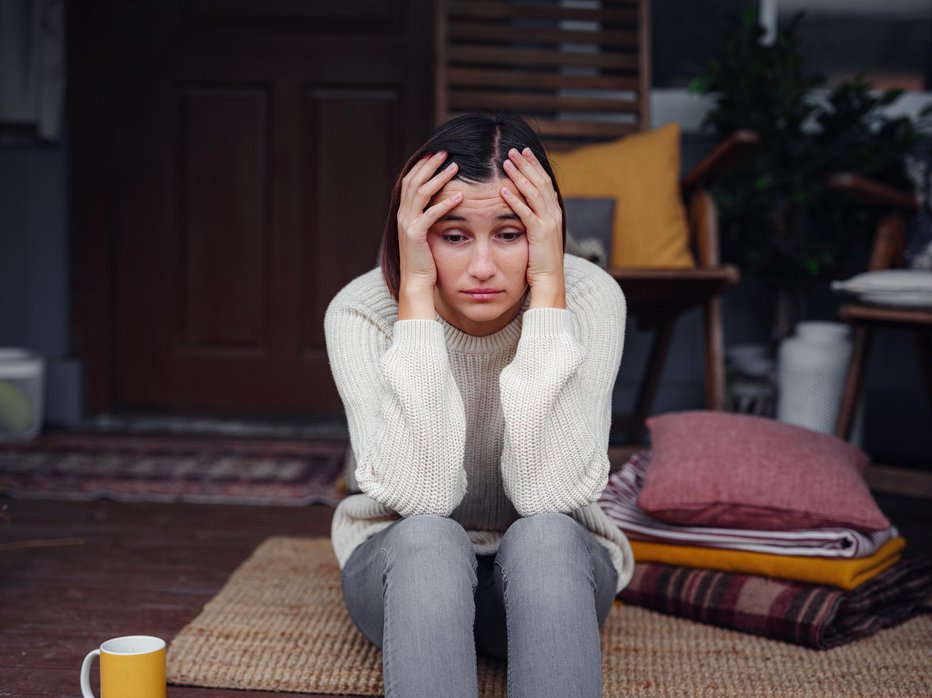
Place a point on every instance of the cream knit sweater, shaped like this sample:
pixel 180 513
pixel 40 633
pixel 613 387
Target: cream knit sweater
pixel 483 430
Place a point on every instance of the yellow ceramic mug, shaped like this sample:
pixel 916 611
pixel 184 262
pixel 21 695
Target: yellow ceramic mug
pixel 130 667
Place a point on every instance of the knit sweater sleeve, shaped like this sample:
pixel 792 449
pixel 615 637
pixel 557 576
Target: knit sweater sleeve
pixel 557 399
pixel 405 415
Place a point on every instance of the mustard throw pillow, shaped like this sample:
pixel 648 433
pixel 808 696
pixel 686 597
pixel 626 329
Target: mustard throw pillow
pixel 642 173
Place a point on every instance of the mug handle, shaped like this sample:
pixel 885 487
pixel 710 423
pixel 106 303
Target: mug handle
pixel 86 691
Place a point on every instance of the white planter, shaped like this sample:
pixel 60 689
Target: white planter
pixel 811 369
pixel 22 387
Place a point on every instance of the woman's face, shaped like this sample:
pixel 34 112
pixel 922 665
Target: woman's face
pixel 480 250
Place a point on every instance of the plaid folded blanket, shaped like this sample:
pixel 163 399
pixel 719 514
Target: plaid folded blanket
pixel 816 616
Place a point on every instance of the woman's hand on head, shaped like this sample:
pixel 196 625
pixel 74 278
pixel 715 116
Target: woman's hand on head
pixel 418 271
pixel 543 220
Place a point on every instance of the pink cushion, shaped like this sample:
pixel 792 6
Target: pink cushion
pixel 740 471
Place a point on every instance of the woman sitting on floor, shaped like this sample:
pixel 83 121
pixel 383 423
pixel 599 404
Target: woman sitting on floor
pixel 476 367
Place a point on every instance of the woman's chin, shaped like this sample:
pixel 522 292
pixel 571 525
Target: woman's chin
pixel 486 319
pixel 483 311
pixel 479 317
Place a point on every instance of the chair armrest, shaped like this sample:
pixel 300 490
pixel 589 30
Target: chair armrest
pixel 727 155
pixel 872 191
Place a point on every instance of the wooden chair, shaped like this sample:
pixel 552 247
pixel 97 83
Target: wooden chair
pixel 580 76
pixel 887 253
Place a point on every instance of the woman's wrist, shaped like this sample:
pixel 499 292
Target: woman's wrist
pixel 416 303
pixel 548 295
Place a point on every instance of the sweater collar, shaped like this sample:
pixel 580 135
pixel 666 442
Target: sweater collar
pixel 463 343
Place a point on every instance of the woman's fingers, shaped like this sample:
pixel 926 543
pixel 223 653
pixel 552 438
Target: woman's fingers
pixel 433 214
pixel 524 185
pixel 540 210
pixel 421 164
pixel 413 172
pixel 529 167
pixel 542 218
pixel 408 181
pixel 528 164
pixel 422 173
pixel 532 180
pixel 522 209
pixel 427 190
pixel 418 192
pixel 414 216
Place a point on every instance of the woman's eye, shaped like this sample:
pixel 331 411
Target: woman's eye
pixel 511 236
pixel 454 237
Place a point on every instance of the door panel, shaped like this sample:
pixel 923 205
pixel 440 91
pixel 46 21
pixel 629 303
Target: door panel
pixel 255 144
pixel 354 127
pixel 223 226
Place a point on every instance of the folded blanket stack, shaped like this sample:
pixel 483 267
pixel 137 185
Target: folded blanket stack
pixel 813 615
pixel 816 587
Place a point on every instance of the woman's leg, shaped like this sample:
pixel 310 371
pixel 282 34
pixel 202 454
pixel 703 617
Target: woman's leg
pixel 557 584
pixel 409 589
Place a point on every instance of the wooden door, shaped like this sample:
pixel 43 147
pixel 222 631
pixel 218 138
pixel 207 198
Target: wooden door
pixel 251 155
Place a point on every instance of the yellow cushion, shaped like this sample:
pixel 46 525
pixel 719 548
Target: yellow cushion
pixel 642 173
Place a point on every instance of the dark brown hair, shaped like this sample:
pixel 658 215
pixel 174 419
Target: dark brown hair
pixel 479 144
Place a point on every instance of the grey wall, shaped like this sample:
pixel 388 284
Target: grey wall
pixel 34 271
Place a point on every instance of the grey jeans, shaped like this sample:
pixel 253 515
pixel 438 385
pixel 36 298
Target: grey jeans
pixel 419 592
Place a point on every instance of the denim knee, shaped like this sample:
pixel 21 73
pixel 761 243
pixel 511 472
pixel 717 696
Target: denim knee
pixel 547 534
pixel 545 546
pixel 431 536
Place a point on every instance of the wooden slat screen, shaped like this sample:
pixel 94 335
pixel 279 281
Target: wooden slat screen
pixel 577 69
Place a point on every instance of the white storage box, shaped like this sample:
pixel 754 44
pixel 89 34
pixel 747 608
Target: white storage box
pixel 22 386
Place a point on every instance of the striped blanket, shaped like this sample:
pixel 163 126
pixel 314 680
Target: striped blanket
pixel 816 616
pixel 619 502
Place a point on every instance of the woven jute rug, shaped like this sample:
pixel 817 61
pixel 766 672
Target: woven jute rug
pixel 280 624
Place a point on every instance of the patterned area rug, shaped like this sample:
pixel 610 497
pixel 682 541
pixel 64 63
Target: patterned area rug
pixel 324 428
pixel 279 624
pixel 172 468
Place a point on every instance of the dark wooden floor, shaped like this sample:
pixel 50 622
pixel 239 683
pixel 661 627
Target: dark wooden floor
pixel 75 574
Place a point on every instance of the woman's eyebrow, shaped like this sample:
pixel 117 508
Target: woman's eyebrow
pixel 503 217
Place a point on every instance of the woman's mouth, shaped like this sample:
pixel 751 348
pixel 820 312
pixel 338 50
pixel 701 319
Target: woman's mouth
pixel 483 294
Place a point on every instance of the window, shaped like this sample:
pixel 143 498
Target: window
pixel 889 42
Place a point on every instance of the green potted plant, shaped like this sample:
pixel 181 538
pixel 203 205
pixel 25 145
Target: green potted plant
pixel 780 221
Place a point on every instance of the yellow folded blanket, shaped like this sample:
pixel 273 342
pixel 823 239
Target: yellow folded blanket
pixel 845 573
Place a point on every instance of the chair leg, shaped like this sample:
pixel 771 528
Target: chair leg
pixel 714 355
pixel 853 381
pixel 651 381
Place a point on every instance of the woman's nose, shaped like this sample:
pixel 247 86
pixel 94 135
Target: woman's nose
pixel 482 264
